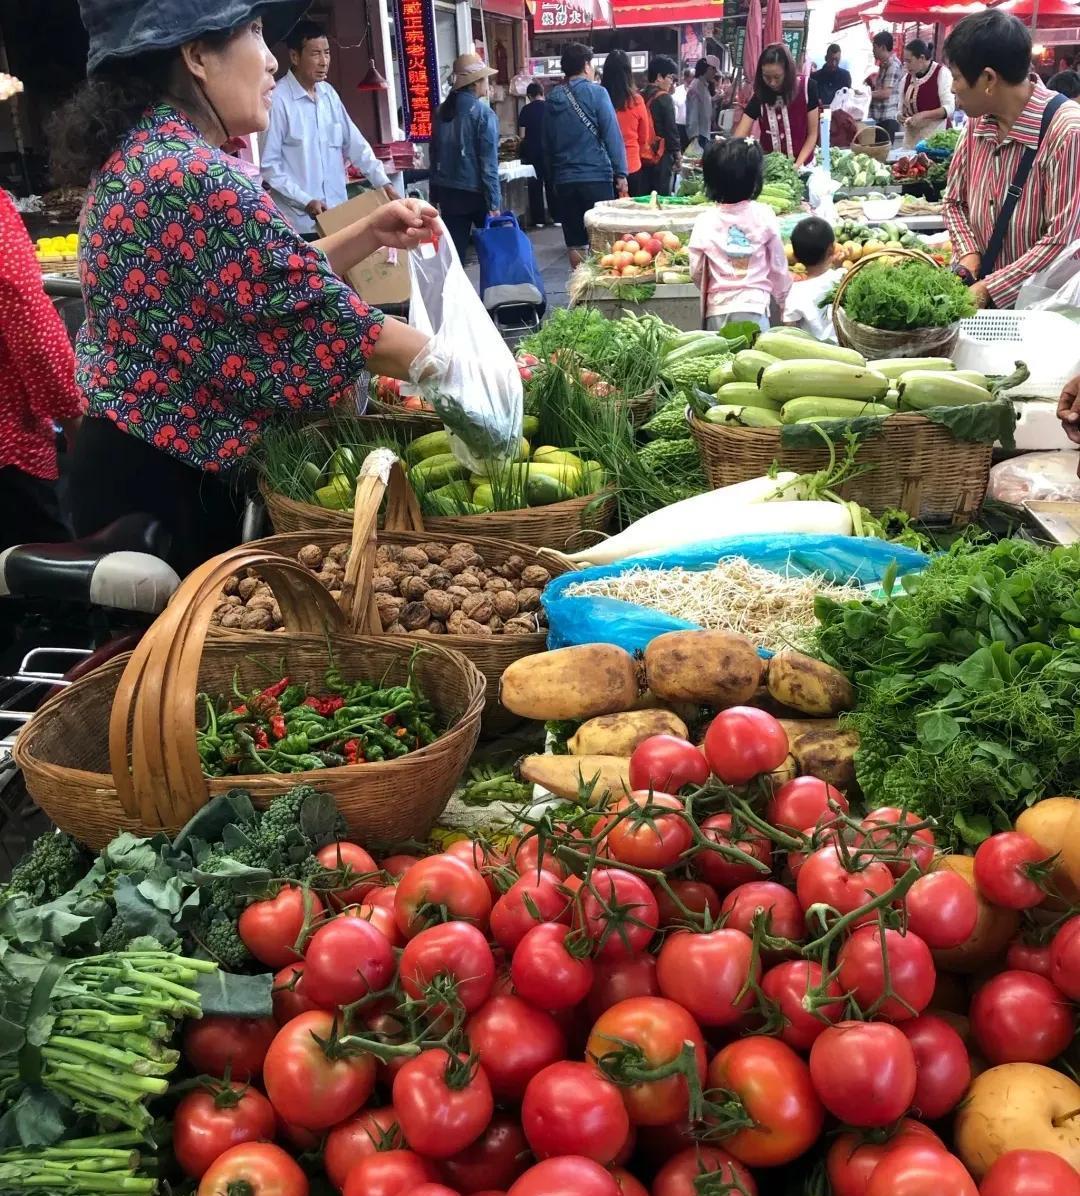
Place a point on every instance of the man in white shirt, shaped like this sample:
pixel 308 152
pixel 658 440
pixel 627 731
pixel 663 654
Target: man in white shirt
pixel 311 138
pixel 678 98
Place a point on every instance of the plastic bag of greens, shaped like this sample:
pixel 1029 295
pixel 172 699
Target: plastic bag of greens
pixel 1056 287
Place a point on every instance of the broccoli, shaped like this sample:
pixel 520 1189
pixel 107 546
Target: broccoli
pixel 221 940
pixel 283 822
pixel 53 865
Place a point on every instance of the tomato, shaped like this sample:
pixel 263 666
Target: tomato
pixel 642 835
pixel 743 742
pixel 486 860
pixel 269 929
pixel 569 1110
pixel 1029 957
pixel 825 880
pixel 817 837
pixel 549 973
pixel 793 986
pixel 628 1185
pixel 616 980
pixel 397 865
pixel 571 1175
pixel 682 1175
pixel 864 1072
pixel 389 1173
pixel 304 1084
pixel 513 1041
pixel 290 998
pixel 942 1066
pixel 852 1158
pixel 493 1161
pixel 345 960
pixel 707 973
pixel 942 910
pixel 893 979
pixel 381 917
pixel 618 912
pixel 382 897
pixel 529 860
pixel 648 1032
pixel 696 896
pixel 666 764
pixel 1065 958
pixel 441 888
pixel 776 907
pixel 1019 1017
pixel 920 1169
pixel 456 955
pixel 727 873
pixel 209 1121
pixel 369 1131
pixel 215 1043
pixel 442 1102
pixel 433 1190
pixel 255 1168
pixel 355 869
pixel 1030 1173
pixel 879 827
pixel 804 802
pixel 536 897
pixel 1002 870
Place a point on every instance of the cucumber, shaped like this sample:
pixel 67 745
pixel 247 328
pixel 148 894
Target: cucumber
pixel 336 495
pixel 834 379
pixel 895 367
pixel 343 462
pixel 459 491
pixel 530 425
pixel 685 338
pixel 748 364
pixel 434 472
pixel 484 496
pixel 780 343
pixel 311 475
pixel 815 407
pixel 923 389
pixel 541 490
pixel 724 373
pixel 432 444
pixel 706 344
pixel 749 417
pixel 547 455
pixel 744 394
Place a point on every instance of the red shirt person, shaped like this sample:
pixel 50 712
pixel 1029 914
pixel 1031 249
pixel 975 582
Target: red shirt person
pixel 785 106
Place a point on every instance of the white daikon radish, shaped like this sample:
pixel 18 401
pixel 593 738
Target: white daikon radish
pixel 704 517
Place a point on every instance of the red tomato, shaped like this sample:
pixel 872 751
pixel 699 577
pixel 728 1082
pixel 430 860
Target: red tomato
pixel 569 1110
pixel 628 1185
pixel 397 865
pixel 1028 957
pixel 442 1102
pixel 696 896
pixel 215 1043
pixel 549 973
pixel 441 888
pixel 303 1141
pixel 571 1175
pixel 864 1072
pixel 707 974
pixel 920 1169
pixel 743 742
pixel 817 837
pixel 1003 866
pixel 304 1085
pixel 724 872
pixel 257 1168
pixel 895 988
pixel 345 960
pixel 535 898
pixel 1019 1017
pixel 666 764
pixel 382 897
pixel 269 929
pixel 1030 1173
pixel 493 1161
pixel 513 1041
pixel 776 907
pixel 370 1131
pixel 647 1032
pixel 355 871
pixel 803 802
pixel 290 998
pixel 485 859
pixel 682 1175
pixel 389 1173
pixel 616 980
pixel 942 909
pixel 433 1190
pixel 381 917
pixel 209 1121
pixel 825 880
pixel 1065 958
pixel 642 835
pixel 942 1066
pixel 456 951
pixel 852 1158
pixel 799 988
pixel 528 859
pixel 618 912
pixel 880 833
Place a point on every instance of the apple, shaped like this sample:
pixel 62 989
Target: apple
pixel 607 261
pixel 654 245
pixel 629 271
pixel 641 238
pixel 643 258
pixel 622 260
pixel 618 247
pixel 670 240
pixel 632 246
pixel 528 359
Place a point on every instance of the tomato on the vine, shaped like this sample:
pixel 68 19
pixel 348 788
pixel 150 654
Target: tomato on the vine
pixel 806 1001
pixel 370 1131
pixel 1004 866
pixel 775 906
pixel 683 1175
pixel 454 955
pixel 695 897
pixel 628 1185
pixel 256 1168
pixel 1019 1017
pixel 744 742
pixel 616 980
pixel 709 974
pixel 942 1065
pixel 533 899
pixel 618 912
pixel 864 1072
pixel 211 1120
pixel 571 1175
pixel 804 802
pixel 397 865
pixel 852 1157
pixel 356 871
pixel 825 879
pixel 920 1168
pixel 1029 957
pixel 550 972
pixel 513 1041
pixel 443 1102
pixel 570 1110
pixel 270 929
pixel 345 960
pixel 942 910
pixel 289 996
pixel 639 833
pixel 441 888
pixel 726 872
pixel 666 764
pixel 881 831
pixel 389 1173
pixel 493 1161
pixel 1030 1173
pixel 888 974
pixel 1065 958
pixel 215 1044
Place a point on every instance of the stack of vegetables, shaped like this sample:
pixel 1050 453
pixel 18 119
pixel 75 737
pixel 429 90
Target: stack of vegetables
pixel 781 172
pixel 855 171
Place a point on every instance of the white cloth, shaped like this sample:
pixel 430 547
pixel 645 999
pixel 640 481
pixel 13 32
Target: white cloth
pixel 306 149
pixel 801 306
pixel 510 171
pixel 912 137
pixel 678 98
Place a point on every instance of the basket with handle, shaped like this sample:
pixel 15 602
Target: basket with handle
pixel 118 749
pixel 872 141
pixel 875 343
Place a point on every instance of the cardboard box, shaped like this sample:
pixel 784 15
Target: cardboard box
pixel 375 280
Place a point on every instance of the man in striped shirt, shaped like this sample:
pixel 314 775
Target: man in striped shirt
pixel 990 56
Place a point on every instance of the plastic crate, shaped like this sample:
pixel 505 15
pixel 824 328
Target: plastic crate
pixel 993 341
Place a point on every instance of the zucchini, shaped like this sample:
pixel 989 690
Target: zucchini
pixel 685 338
pixel 834 379
pixel 895 367
pixel 541 490
pixel 815 407
pixel 433 444
pixel 744 394
pixel 891 398
pixel 923 389
pixel 724 372
pixel 749 417
pixel 706 344
pixel 748 364
pixel 780 343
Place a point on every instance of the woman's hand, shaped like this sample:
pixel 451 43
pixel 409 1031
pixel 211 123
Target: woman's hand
pixel 1068 409
pixel 404 224
pixel 622 187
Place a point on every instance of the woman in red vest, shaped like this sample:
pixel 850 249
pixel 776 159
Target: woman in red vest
pixel 926 97
pixel 785 106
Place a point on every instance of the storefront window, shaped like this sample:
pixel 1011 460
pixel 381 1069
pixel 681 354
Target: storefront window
pixel 446 42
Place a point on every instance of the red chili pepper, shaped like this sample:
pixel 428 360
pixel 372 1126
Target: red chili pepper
pixel 352 751
pixel 275 690
pixel 241 709
pixel 325 706
pixel 277 726
pixel 389 719
pixel 261 739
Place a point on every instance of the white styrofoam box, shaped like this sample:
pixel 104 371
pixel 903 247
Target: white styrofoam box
pixel 1038 428
pixel 993 341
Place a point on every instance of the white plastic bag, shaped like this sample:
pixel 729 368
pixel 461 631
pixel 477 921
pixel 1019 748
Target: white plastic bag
pixel 855 101
pixel 1055 288
pixel 1050 477
pixel 821 187
pixel 467 372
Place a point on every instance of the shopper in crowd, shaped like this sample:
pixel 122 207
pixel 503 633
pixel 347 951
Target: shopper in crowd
pixel 885 85
pixel 531 123
pixel 583 148
pixel 813 246
pixel 737 255
pixel 832 77
pixel 678 100
pixel 926 95
pixel 465 153
pixel 1066 82
pixel 1009 116
pixel 635 124
pixel 311 140
pixel 785 105
pixel 664 155
pixel 699 101
pixel 225 315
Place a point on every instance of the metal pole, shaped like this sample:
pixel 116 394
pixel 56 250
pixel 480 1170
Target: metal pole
pixel 1034 19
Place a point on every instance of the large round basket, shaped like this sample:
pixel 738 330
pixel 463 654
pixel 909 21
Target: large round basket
pixel 117 750
pixel 917 466
pixel 411 423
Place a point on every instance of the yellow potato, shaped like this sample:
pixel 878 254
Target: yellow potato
pixel 1047 822
pixel 828 755
pixel 568 776
pixel 994 930
pixel 619 734
pixel 713 668
pixel 808 685
pixel 570 683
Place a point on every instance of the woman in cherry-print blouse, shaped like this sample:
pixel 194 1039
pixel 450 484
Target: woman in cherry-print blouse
pixel 206 313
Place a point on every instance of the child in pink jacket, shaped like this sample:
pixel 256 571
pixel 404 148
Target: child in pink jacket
pixel 736 252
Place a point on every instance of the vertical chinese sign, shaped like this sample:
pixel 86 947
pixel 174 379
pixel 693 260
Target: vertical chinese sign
pixel 415 20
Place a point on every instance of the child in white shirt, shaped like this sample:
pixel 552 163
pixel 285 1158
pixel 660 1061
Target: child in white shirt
pixel 814 245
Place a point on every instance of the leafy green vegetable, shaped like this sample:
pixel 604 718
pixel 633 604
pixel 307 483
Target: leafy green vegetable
pixel 906 295
pixel 52 865
pixel 944 139
pixel 779 168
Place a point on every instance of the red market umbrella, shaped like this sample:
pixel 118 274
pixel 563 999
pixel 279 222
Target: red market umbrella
pixel 752 45
pixel 774 24
pixel 1026 9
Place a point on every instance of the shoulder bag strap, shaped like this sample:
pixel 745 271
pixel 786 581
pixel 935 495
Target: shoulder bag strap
pixel 581 114
pixel 1015 190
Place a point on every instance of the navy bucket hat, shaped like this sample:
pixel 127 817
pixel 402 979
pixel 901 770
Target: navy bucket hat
pixel 124 28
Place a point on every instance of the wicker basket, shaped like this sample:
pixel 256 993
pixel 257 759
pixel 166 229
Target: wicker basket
pixel 412 423
pixel 918 466
pixel 872 141
pixel 117 750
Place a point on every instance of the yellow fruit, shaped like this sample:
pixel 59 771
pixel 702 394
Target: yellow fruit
pixel 790 253
pixel 799 268
pixel 873 247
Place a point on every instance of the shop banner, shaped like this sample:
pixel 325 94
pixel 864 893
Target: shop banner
pixel 415 23
pixel 560 16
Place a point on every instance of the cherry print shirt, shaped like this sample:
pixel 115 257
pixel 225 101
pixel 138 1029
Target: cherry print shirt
pixel 37 366
pixel 206 313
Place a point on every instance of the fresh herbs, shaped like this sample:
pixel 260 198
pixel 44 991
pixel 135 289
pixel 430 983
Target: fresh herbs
pixel 779 168
pixel 899 296
pixel 944 139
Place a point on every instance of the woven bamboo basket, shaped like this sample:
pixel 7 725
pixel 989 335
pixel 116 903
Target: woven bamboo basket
pixel 412 423
pixel 117 750
pixel 918 466
pixel 872 141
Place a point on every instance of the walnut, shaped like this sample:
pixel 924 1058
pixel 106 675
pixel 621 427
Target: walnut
pixel 414 556
pixel 392 573
pixel 496 624
pixel 220 611
pixel 230 586
pixel 437 576
pixel 439 603
pixel 458 594
pixel 496 585
pixel 454 564
pixel 535 576
pixel 522 625
pixel 482 576
pixel 414 588
pixel 234 600
pixel 340 552
pixel 233 617
pixel 471 627
pixel 275 614
pixel 436 627
pixel 265 601
pixel 528 598
pixel 462 549
pixel 311 556
pixel 453 624
pixel 436 553
pixel 505 604
pixel 478 607
pixel 414 616
pixel 381 584
pixel 382 555
pixel 336 595
pixel 514 565
pixel 247 587
pixel 389 608
pixel 396 629
pixel 408 569
pixel 469 580
pixel 473 560
pixel 422 630
pixel 257 619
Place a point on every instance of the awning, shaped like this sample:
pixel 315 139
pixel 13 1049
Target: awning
pixel 659 13
pixel 847 17
pixel 502 8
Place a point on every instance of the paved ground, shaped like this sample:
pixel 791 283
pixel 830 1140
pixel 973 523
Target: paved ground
pixel 551 257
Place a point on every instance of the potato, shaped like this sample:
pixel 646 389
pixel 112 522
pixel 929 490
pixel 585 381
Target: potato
pixel 994 930
pixel 713 668
pixel 795 727
pixel 619 734
pixel 570 683
pixel 564 776
pixel 1048 823
pixel 808 685
pixel 828 755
